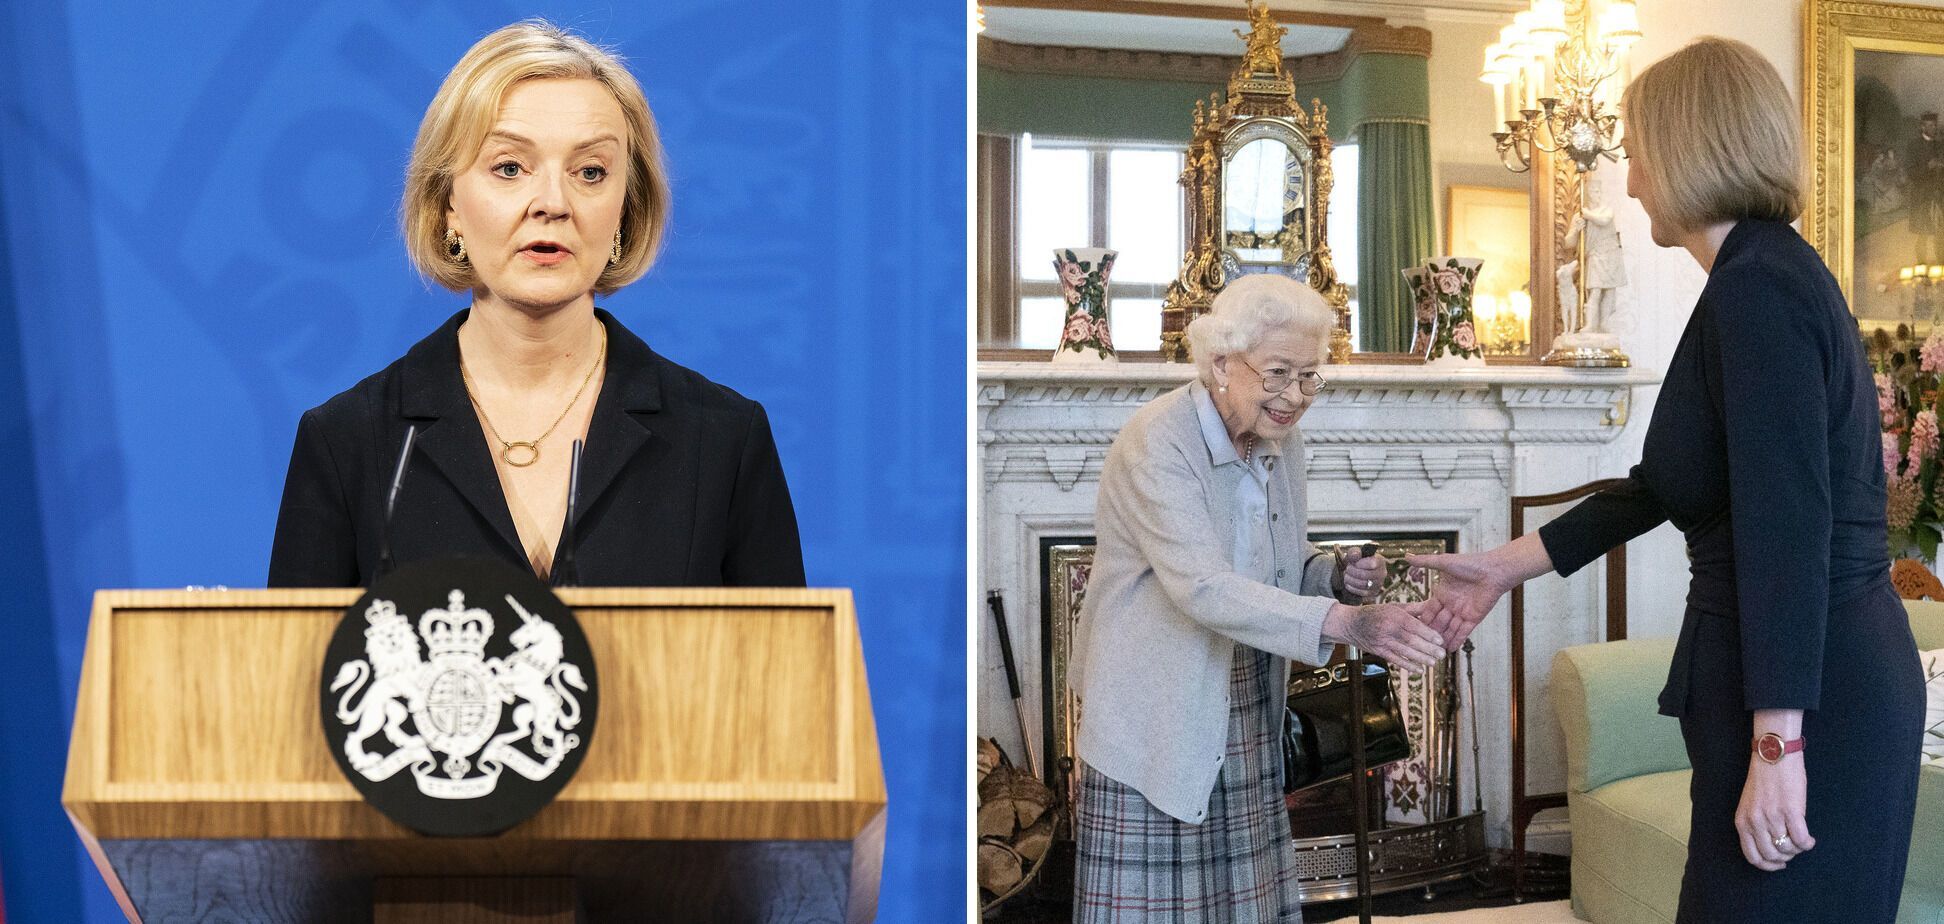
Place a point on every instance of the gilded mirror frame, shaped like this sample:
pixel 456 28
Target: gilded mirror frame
pixel 1260 103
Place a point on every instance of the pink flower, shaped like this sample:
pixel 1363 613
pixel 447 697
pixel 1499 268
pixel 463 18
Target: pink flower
pixel 1923 439
pixel 1931 356
pixel 1886 399
pixel 1078 328
pixel 1463 336
pixel 1448 282
pixel 1890 454
pixel 1071 294
pixel 1071 273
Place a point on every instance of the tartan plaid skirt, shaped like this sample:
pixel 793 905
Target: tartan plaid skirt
pixel 1138 864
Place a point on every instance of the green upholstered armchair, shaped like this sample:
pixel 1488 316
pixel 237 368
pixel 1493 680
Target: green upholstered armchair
pixel 1627 784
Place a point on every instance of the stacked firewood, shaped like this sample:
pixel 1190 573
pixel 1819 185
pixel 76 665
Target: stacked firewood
pixel 1016 822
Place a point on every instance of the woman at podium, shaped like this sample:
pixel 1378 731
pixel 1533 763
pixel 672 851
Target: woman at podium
pixel 536 183
pixel 1205 587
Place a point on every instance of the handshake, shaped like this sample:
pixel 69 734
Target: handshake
pixel 1416 635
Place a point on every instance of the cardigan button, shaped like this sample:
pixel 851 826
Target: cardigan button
pixel 1279 574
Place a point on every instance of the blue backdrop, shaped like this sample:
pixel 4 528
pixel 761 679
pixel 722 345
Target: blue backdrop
pixel 197 242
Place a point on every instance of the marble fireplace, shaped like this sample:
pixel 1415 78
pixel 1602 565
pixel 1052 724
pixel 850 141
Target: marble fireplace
pixel 1400 451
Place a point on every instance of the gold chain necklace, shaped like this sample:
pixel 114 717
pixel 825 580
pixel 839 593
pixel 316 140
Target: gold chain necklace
pixel 531 448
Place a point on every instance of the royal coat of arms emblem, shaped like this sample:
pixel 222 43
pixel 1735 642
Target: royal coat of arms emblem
pixel 449 704
pixel 455 696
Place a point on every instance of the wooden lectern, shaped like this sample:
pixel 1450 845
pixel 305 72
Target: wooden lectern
pixel 733 775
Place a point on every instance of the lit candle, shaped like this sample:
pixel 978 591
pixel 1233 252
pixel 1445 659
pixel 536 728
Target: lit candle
pixel 1495 76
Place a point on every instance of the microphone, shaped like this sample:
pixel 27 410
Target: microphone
pixel 391 502
pixel 564 573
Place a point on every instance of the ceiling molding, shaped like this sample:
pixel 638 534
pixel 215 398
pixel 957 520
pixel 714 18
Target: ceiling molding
pixel 1189 11
pixel 1013 57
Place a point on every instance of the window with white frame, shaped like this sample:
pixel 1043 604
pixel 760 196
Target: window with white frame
pixel 1098 194
pixel 1125 196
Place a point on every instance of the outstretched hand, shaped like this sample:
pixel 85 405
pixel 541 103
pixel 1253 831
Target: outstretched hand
pixel 1468 586
pixel 1395 632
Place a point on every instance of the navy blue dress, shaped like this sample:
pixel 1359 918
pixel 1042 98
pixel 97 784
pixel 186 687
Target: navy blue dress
pixel 1765 451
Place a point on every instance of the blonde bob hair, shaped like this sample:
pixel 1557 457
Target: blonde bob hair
pixel 1247 309
pixel 1716 130
pixel 463 112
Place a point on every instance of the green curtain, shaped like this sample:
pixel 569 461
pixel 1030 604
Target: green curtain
pixel 1393 227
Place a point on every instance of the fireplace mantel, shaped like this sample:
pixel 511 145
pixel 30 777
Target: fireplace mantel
pixel 1388 449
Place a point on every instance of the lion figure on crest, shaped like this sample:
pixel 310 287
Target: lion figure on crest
pixel 393 650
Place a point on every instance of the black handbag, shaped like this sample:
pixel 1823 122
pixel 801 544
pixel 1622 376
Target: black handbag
pixel 1316 728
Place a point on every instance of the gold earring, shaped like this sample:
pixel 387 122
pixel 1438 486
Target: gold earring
pixel 614 253
pixel 455 246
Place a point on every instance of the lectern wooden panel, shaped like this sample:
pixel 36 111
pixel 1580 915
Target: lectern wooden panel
pixel 734 774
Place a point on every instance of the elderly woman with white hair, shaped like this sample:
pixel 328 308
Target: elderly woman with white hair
pixel 1204 588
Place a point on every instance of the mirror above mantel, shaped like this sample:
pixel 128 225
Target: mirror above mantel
pixel 1086 111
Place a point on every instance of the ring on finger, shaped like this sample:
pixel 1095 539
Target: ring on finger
pixel 1782 843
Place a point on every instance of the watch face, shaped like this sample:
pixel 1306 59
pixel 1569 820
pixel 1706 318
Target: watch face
pixel 1769 747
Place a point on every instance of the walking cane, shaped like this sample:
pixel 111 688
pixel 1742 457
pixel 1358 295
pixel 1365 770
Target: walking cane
pixel 998 605
pixel 1359 770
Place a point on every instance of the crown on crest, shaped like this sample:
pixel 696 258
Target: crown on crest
pixel 456 629
pixel 381 612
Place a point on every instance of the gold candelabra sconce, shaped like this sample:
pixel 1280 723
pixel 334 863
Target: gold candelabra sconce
pixel 1555 73
pixel 1920 284
pixel 1503 321
pixel 1555 80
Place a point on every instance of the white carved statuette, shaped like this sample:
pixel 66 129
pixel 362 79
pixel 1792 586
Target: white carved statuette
pixel 455 697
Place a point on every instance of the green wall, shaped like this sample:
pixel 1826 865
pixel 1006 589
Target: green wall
pixel 1374 86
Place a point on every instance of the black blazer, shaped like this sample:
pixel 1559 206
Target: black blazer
pixel 680 481
pixel 1765 451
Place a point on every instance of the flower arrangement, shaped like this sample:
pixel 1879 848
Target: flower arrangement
pixel 1083 276
pixel 1908 398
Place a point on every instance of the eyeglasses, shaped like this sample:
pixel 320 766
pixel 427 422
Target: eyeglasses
pixel 1275 383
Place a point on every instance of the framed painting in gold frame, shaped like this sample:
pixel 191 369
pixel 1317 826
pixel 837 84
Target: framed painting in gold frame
pixel 1872 72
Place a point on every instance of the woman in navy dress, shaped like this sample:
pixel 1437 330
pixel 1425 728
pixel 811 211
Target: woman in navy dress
pixel 1795 678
